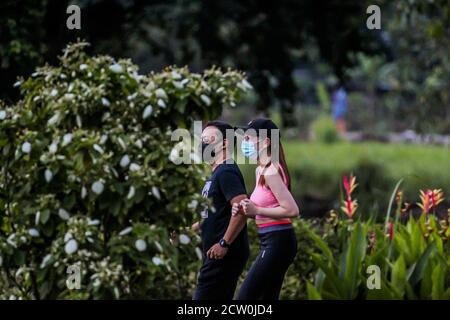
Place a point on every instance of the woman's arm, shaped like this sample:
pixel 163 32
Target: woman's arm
pixel 288 207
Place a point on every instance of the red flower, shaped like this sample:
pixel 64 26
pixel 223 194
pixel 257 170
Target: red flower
pixel 390 230
pixel 430 199
pixel 350 205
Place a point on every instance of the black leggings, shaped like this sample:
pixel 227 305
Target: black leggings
pixel 265 277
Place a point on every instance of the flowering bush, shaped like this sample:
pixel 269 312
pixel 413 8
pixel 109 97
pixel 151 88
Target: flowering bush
pixel 86 178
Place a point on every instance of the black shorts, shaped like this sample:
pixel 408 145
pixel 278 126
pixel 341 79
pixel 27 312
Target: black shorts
pixel 217 279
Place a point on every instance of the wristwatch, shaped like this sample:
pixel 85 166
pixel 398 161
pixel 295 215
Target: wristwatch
pixel 223 243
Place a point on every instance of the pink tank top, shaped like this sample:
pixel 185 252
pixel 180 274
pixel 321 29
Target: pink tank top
pixel 263 197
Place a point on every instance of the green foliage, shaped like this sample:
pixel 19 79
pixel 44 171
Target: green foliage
pixel 88 177
pixel 413 265
pixel 324 130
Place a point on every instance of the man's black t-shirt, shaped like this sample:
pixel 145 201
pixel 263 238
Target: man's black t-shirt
pixel 225 183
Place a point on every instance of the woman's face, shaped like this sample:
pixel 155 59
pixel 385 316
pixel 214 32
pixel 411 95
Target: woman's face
pixel 260 144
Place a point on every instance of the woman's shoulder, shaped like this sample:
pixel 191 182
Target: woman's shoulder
pixel 272 169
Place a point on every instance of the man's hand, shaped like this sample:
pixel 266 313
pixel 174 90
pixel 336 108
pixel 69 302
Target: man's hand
pixel 216 252
pixel 236 209
pixel 196 227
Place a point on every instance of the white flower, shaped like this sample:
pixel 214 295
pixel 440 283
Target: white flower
pixel 2 114
pixel 184 239
pixel 246 84
pixel 71 246
pixel 206 99
pixel 54 93
pixel 26 147
pixel 53 120
pixel 98 187
pixel 67 138
pixel 199 253
pixel 122 143
pixel 178 84
pixel 98 148
pixel 147 112
pixel 45 260
pixel 103 139
pixel 161 103
pixel 11 241
pixel 17 83
pixel 220 90
pixel 157 261
pixel 184 81
pixel 140 245
pixel 175 75
pixel 193 204
pixel 94 222
pixel 160 93
pixel 53 147
pixel 132 96
pixel 174 156
pixel 158 246
pixel 116 68
pixel 125 161
pixel 67 236
pixel 155 192
pixel 106 102
pixel 134 167
pixel 63 214
pixel 83 66
pixel 48 174
pixel 125 231
pixel 138 143
pixel 83 192
pixel 33 232
pixel 131 193
pixel 78 120
pixel 37 218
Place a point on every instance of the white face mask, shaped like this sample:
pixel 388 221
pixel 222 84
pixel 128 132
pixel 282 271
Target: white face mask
pixel 249 150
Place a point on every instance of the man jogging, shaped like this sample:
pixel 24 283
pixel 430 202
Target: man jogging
pixel 224 237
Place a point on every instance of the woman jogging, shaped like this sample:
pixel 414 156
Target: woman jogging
pixel 272 206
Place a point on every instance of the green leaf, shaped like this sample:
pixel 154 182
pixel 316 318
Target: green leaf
pixel 354 258
pixel 438 282
pixel 419 267
pixel 399 274
pixel 313 294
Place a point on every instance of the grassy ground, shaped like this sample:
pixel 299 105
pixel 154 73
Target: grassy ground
pixel 316 170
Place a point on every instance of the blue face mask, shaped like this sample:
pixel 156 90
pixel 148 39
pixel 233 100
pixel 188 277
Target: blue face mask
pixel 249 150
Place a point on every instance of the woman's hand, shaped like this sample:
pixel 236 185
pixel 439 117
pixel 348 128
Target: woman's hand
pixel 250 209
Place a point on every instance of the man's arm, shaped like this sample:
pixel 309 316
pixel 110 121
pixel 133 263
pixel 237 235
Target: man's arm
pixel 237 223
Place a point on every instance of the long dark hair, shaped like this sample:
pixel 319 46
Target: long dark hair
pixel 281 166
